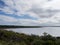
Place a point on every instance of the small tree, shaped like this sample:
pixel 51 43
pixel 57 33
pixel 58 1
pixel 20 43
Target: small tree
pixel 45 34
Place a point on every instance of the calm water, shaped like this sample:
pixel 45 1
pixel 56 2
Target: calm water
pixel 55 31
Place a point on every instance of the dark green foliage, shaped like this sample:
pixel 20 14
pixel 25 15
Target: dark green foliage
pixel 14 38
pixel 16 26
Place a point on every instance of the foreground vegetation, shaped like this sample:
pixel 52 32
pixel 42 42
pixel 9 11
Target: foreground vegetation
pixel 14 38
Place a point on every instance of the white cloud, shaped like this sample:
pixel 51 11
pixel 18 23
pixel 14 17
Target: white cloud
pixel 7 10
pixel 12 20
pixel 54 4
pixel 24 6
pixel 46 11
pixel 7 18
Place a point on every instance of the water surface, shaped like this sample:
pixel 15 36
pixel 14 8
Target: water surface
pixel 55 31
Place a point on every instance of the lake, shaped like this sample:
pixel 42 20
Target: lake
pixel 55 31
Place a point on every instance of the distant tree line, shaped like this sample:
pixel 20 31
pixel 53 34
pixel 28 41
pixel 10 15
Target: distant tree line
pixel 16 26
pixel 14 38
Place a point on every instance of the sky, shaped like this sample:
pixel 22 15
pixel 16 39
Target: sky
pixel 30 12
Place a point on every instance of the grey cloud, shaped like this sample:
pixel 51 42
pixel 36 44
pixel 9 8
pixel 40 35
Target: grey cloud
pixel 37 9
pixel 44 13
pixel 49 0
pixel 34 8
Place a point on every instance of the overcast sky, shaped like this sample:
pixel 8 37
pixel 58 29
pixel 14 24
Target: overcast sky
pixel 29 12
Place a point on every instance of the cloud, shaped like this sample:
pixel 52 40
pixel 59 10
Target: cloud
pixel 56 18
pixel 7 18
pixel 15 21
pixel 25 6
pixel 54 4
pixel 44 10
pixel 44 13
